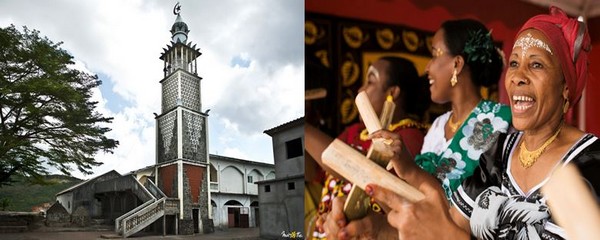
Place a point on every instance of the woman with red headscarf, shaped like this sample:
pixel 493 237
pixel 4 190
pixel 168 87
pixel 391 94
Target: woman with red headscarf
pixel 545 77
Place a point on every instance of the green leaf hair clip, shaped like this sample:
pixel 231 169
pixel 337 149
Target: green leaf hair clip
pixel 479 47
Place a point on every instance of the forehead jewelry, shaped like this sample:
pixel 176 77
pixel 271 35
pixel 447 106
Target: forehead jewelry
pixel 373 70
pixel 436 52
pixel 529 41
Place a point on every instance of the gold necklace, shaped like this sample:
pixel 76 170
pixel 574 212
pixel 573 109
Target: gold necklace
pixel 528 158
pixel 454 125
pixel 404 123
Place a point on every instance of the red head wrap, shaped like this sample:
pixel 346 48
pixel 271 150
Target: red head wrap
pixel 570 41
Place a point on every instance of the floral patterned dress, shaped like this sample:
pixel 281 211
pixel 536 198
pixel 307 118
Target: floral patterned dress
pixel 452 161
pixel 496 206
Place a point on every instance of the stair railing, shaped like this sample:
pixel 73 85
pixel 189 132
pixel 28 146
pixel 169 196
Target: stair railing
pixel 143 217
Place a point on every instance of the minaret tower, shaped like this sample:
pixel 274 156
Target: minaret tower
pixel 182 135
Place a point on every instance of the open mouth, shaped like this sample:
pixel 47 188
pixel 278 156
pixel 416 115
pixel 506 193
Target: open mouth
pixel 522 103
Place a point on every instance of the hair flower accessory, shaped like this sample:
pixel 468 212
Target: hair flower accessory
pixel 479 47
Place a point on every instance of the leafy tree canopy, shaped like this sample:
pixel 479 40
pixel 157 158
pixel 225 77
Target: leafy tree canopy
pixel 47 116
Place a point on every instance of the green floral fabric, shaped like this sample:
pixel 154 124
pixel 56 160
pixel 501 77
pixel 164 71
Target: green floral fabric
pixel 477 134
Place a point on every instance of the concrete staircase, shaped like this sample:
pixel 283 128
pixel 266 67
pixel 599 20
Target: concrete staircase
pixel 151 210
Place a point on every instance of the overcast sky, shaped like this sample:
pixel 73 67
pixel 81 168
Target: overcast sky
pixel 252 66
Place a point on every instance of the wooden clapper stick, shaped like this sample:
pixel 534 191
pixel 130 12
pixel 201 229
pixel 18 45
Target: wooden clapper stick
pixel 572 204
pixel 361 171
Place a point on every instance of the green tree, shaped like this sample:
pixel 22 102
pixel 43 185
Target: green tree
pixel 47 116
pixel 4 204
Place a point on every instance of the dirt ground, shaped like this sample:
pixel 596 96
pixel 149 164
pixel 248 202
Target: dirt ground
pixel 232 233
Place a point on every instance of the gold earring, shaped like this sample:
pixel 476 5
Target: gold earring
pixel 454 79
pixel 566 106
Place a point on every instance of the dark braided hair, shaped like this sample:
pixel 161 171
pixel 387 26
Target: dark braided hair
pixel 415 93
pixel 471 40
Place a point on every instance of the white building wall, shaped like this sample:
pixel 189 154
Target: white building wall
pixel 251 186
pixel 232 184
pixel 231 180
pixel 220 217
pixel 66 200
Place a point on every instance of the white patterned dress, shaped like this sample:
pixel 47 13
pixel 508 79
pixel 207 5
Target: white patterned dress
pixel 498 209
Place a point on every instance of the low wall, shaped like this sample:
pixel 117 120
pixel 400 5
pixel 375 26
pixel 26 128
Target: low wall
pixel 20 221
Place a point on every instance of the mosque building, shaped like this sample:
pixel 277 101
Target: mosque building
pixel 187 190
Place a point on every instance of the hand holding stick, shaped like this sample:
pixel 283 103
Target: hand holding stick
pixel 358 203
pixel 355 167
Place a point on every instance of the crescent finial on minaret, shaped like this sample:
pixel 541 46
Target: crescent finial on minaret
pixel 177 9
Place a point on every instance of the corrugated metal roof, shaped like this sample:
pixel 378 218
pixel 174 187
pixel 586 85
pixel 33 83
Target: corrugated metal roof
pixel 84 182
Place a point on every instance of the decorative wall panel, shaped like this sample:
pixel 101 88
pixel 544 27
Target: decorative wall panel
pixel 194 140
pixel 190 91
pixel 169 93
pixel 167 137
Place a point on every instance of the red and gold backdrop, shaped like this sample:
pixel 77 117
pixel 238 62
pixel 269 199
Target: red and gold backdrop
pixel 422 17
pixel 338 53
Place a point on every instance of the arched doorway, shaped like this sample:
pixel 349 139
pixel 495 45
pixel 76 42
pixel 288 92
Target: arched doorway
pixel 237 214
pixel 254 209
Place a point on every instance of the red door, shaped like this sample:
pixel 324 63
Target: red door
pixel 244 221
pixel 230 218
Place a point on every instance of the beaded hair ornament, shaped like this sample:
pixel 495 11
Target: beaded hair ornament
pixel 529 41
